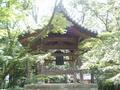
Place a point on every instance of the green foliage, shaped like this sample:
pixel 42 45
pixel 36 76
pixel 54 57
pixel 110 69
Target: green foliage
pixel 104 59
pixel 102 53
pixel 15 88
pixel 11 11
pixel 12 63
pixel 89 44
pixel 59 24
pixel 15 62
pixel 99 14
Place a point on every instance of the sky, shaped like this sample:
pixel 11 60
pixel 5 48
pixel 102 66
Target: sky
pixel 43 9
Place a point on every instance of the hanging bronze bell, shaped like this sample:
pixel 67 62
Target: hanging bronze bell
pixel 59 58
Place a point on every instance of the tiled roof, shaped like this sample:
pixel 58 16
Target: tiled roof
pixel 75 21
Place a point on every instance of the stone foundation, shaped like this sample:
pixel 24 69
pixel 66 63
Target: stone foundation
pixel 75 86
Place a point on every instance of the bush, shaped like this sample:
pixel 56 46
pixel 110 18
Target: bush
pixel 16 88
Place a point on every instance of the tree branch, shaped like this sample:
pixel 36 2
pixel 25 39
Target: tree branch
pixel 83 17
pixel 104 22
pixel 107 21
pixel 47 27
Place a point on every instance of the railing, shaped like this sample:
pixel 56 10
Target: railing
pixel 74 86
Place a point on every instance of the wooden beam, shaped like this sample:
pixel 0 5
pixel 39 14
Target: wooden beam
pixel 62 54
pixel 60 39
pixel 57 46
pixel 55 60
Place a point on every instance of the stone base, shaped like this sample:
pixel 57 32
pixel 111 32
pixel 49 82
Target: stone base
pixel 64 86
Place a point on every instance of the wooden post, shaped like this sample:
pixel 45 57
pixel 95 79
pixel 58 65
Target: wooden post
pixel 75 57
pixel 92 78
pixel 81 73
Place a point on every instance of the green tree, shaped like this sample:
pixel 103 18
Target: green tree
pixel 104 15
pixel 15 62
pixel 103 58
pixel 101 55
pixel 11 12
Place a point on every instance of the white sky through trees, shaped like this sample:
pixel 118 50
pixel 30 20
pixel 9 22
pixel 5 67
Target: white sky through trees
pixel 42 9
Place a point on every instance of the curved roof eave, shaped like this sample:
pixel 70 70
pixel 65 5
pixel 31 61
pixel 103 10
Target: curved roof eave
pixel 82 29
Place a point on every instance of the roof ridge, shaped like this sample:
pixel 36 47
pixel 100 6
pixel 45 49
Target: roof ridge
pixel 80 27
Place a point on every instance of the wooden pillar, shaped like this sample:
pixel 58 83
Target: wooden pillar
pixel 75 57
pixel 92 78
pixel 27 69
pixel 81 73
pixel 40 68
pixel 81 77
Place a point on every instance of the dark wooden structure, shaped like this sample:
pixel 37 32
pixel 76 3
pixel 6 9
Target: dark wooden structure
pixel 68 41
pixel 74 35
